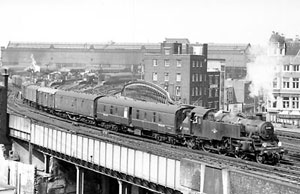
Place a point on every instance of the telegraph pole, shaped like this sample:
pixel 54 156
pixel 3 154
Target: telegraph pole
pixel 4 131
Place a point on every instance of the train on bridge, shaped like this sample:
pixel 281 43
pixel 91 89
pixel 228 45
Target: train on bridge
pixel 192 126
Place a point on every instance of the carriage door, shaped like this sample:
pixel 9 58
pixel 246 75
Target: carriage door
pixel 128 114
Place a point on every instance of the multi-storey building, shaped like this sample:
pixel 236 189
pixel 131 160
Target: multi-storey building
pixel 237 56
pixel 284 106
pixel 237 93
pixel 218 65
pixel 183 74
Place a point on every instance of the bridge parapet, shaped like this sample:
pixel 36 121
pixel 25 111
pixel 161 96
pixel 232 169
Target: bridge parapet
pixel 149 170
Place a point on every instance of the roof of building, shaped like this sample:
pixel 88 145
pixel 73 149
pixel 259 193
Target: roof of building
pixel 108 45
pixel 177 40
pixel 292 47
pixel 228 47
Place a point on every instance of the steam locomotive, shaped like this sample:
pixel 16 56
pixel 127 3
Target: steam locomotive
pixel 192 126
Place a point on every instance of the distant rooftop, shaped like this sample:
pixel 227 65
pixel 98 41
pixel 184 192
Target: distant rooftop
pixel 108 45
pixel 177 40
pixel 228 46
pixel 126 46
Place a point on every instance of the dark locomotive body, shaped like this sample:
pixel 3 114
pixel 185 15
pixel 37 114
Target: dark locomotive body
pixel 193 126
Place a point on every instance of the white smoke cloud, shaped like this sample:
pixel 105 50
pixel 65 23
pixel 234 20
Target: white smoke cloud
pixel 261 72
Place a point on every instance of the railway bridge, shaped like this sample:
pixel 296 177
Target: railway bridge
pixel 131 168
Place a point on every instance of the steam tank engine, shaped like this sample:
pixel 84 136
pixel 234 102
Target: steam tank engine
pixel 257 137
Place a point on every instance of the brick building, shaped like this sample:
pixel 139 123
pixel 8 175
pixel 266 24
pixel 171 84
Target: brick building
pixel 236 56
pixel 183 74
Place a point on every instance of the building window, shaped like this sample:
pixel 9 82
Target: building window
pixel 177 91
pixel 200 77
pixel 200 91
pixel 196 77
pixel 296 67
pixel 210 79
pixel 193 77
pixel 197 63
pixel 178 77
pixel 295 82
pixel 167 51
pixel 154 62
pixel 193 63
pixel 286 67
pixel 178 63
pixel 210 92
pixel 200 63
pixel 166 77
pixel 295 102
pixel 166 87
pixel 216 79
pixel 216 93
pixel 210 105
pixel 196 91
pixel 285 102
pixel 137 114
pixel 286 83
pixel 275 83
pixel 193 91
pixel 154 76
pixel 275 102
pixel 167 62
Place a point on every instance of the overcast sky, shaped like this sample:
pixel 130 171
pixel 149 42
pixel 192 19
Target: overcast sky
pixel 218 21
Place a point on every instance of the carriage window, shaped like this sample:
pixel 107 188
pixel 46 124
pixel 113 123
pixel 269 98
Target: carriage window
pixel 199 120
pixel 111 109
pixel 137 114
pixel 154 117
pixel 145 116
pixel 104 108
pixel 125 112
pixel 116 109
pixel 159 118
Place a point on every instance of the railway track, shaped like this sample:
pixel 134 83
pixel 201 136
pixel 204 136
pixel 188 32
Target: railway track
pixel 290 171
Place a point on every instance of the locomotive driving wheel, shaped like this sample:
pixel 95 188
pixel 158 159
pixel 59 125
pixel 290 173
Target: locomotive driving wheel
pixel 206 146
pixel 260 158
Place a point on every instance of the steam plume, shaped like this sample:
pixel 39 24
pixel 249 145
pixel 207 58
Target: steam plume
pixel 262 72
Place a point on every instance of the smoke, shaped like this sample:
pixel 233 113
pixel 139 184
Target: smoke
pixel 262 72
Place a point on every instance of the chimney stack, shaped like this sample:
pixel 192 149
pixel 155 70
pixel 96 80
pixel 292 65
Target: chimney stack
pixel 204 50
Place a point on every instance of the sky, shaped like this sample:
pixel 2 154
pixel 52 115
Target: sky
pixel 147 21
